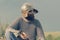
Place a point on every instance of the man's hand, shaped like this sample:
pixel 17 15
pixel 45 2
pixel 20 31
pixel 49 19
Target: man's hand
pixel 23 35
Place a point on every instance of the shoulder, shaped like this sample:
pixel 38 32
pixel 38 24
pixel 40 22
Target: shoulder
pixel 18 19
pixel 15 21
pixel 37 23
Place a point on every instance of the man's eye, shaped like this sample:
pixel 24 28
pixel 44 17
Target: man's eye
pixel 30 11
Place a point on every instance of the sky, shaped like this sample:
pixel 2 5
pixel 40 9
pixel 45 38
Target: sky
pixel 49 12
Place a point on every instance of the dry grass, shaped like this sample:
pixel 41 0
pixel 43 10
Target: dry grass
pixel 54 34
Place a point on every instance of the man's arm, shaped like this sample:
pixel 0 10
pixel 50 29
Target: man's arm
pixel 40 33
pixel 12 30
pixel 14 27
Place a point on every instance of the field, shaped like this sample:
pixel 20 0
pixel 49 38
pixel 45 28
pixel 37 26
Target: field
pixel 48 35
pixel 52 35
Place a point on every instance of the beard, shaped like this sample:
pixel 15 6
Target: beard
pixel 30 17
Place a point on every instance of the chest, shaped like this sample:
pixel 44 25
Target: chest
pixel 27 26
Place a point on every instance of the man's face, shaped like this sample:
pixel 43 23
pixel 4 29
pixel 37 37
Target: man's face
pixel 29 15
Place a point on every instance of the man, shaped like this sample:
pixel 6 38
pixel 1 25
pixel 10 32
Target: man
pixel 26 27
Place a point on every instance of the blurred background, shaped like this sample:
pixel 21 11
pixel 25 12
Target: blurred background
pixel 49 15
